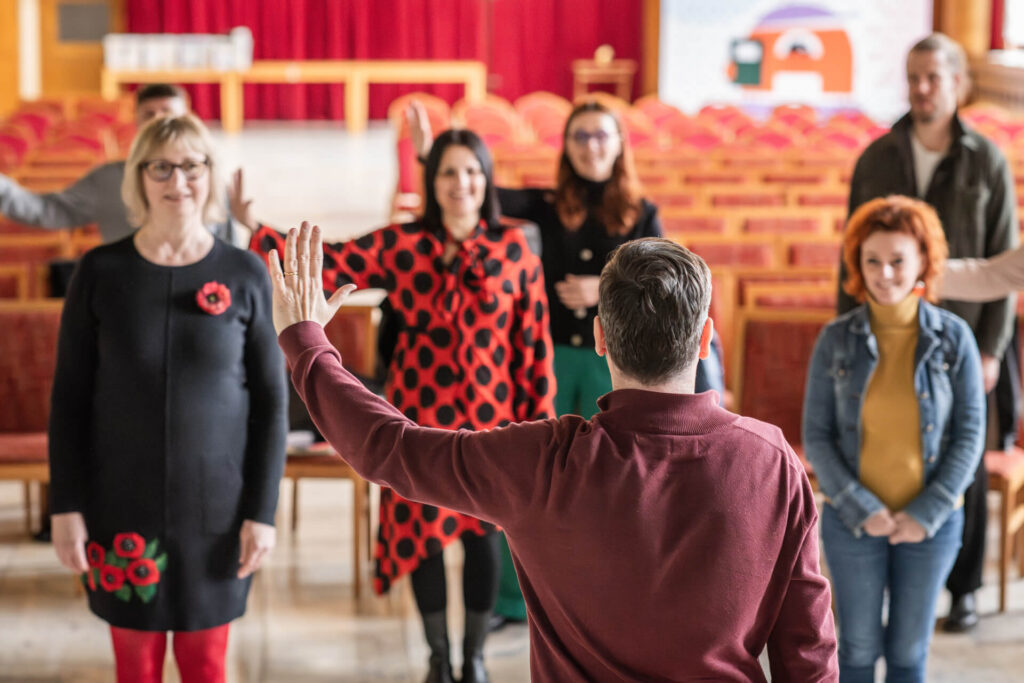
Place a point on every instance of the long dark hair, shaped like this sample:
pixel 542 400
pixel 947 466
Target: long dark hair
pixel 465 138
pixel 620 205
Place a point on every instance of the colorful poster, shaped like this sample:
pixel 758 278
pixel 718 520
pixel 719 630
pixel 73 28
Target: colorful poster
pixel 830 54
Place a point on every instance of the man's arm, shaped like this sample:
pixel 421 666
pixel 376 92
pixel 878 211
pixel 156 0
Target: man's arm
pixel 72 207
pixel 973 279
pixel 995 326
pixel 493 475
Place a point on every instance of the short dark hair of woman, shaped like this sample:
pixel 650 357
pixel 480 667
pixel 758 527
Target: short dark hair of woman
pixel 466 138
pixel 895 213
pixel 653 301
pixel 620 205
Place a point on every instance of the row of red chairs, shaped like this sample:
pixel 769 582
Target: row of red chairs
pixel 50 130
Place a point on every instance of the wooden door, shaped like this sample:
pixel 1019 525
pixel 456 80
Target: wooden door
pixel 71 42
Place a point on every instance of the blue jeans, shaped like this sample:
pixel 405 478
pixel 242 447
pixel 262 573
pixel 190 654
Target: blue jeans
pixel 862 568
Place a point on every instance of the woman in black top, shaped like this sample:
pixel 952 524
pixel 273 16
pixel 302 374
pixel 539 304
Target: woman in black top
pixel 596 206
pixel 168 417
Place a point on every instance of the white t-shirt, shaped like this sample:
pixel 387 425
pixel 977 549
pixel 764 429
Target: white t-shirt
pixel 925 161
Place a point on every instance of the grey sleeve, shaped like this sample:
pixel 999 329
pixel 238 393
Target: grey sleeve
pixel 72 207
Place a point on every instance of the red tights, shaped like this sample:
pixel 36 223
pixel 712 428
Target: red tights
pixel 200 655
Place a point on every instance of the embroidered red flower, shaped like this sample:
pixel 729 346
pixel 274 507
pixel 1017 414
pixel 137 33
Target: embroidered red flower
pixel 111 578
pixel 142 572
pixel 129 545
pixel 96 554
pixel 214 298
pixel 90 579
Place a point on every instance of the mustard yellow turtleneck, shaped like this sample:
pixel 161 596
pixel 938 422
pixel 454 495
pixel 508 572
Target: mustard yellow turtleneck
pixel 891 464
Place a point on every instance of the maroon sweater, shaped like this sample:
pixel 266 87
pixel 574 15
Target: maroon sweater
pixel 665 539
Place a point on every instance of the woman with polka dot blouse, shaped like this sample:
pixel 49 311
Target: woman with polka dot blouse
pixel 474 353
pixel 595 207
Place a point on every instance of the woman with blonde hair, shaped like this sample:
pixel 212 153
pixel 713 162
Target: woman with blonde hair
pixel 168 417
pixel 893 424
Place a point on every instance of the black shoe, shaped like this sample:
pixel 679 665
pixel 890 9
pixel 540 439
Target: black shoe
pixel 42 536
pixel 500 621
pixel 963 615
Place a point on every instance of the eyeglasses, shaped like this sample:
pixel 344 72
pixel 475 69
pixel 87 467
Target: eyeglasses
pixel 161 170
pixel 583 138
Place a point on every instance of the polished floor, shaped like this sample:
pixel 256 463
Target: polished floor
pixel 303 623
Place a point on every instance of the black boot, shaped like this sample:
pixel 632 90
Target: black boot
pixel 435 626
pixel 473 670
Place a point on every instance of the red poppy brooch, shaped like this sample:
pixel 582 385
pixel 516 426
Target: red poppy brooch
pixel 214 298
pixel 131 566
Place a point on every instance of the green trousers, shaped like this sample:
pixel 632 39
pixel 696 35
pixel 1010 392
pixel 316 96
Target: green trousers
pixel 582 378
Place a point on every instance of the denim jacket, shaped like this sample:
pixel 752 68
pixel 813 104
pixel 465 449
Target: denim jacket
pixel 951 399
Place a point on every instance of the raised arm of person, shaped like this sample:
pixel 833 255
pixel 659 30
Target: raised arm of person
pixel 463 470
pixel 358 261
pixel 70 435
pixel 802 642
pixel 69 208
pixel 853 502
pixel 976 279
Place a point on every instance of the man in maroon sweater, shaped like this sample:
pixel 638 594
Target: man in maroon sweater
pixel 664 539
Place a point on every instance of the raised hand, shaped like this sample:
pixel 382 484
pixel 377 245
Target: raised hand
pixel 240 207
pixel 298 287
pixel 419 128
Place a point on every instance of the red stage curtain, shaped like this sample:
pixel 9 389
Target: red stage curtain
pixel 532 44
pixel 998 15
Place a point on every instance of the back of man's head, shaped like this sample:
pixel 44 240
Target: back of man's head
pixel 654 298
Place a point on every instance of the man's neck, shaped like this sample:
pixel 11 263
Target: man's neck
pixel 683 383
pixel 936 136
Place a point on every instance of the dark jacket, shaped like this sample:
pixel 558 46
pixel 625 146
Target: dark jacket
pixel 972 190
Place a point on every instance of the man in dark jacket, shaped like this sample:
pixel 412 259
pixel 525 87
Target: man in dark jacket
pixel 932 155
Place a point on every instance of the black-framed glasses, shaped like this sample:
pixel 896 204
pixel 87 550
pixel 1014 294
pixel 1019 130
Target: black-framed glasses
pixel 161 170
pixel 583 138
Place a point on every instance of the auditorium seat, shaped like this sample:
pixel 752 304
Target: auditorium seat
pixel 774 350
pixel 545 115
pixel 28 352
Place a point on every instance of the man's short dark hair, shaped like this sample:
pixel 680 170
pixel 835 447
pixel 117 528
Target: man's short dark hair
pixel 956 58
pixel 158 91
pixel 654 298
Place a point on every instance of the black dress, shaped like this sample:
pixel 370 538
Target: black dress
pixel 167 430
pixel 583 251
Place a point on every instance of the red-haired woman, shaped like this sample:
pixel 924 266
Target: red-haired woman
pixel 893 423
